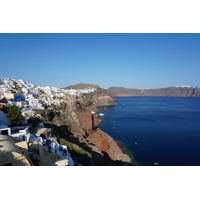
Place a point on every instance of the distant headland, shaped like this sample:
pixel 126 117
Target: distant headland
pixel 177 91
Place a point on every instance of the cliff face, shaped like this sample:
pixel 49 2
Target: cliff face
pixel 196 92
pixel 80 126
pixel 182 91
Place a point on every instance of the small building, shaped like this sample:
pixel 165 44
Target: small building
pixel 61 162
pixel 4 130
pixel 19 98
pixel 10 153
pixel 34 101
pixel 10 95
pixel 19 131
pixel 21 103
pixel 42 132
pixel 28 112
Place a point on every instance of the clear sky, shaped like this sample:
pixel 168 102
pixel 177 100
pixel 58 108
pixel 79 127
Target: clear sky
pixel 131 60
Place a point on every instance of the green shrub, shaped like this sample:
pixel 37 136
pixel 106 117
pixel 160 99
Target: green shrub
pixel 15 116
pixel 35 120
pixel 83 157
pixel 71 125
pixel 41 112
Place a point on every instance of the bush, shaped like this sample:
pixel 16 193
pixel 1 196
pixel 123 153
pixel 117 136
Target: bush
pixel 35 120
pixel 73 126
pixel 41 112
pixel 15 116
pixel 83 157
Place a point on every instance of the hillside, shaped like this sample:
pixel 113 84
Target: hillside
pixel 94 94
pixel 70 115
pixel 178 91
pixel 81 86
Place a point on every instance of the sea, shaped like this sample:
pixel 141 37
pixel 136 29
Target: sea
pixel 153 131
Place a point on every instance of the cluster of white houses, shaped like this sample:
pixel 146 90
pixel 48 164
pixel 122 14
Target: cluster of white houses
pixel 23 94
pixel 24 145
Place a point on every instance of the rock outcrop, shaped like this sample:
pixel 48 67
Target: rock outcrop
pixel 81 126
pixel 178 91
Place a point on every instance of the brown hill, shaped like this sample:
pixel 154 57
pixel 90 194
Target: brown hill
pixel 81 86
pixel 99 97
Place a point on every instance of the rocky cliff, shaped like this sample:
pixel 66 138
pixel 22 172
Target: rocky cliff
pixel 98 97
pixel 178 91
pixel 79 125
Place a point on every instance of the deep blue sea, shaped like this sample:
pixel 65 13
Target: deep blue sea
pixel 164 130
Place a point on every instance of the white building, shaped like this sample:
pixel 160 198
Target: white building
pixel 4 119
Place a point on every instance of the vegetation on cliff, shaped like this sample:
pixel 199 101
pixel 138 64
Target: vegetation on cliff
pixel 15 116
pixel 77 153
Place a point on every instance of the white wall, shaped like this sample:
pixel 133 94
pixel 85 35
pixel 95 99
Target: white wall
pixel 4 119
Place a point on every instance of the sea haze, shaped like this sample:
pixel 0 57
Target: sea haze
pixel 164 130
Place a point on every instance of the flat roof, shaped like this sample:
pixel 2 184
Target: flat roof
pixel 38 131
pixel 7 145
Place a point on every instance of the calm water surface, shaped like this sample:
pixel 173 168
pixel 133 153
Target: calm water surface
pixel 156 129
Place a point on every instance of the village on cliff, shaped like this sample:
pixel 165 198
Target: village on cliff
pixel 27 145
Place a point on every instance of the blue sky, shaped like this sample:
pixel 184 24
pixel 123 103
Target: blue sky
pixel 131 60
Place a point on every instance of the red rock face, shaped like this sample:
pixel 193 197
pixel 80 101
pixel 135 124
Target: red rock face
pixel 90 131
pixel 100 141
pixel 90 123
pixel 102 144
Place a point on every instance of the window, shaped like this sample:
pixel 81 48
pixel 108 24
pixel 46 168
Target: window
pixel 4 132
